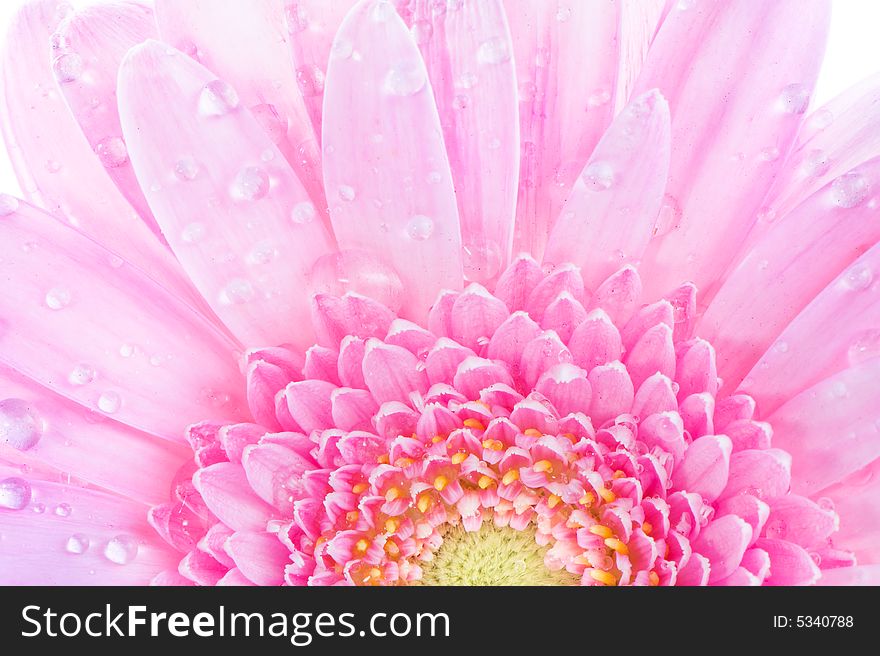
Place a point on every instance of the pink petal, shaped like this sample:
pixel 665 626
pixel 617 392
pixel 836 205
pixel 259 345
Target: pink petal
pixel 259 556
pixel 800 520
pixel 476 315
pixel 595 341
pixel 509 341
pixel 653 353
pixel 614 203
pixel 654 395
pixel 246 46
pixel 765 474
pixel 723 542
pixel 696 369
pixel 566 387
pixel 193 146
pixel 336 318
pixel 855 501
pixel 309 404
pixel 516 284
pixel 91 327
pixel 380 163
pixel 619 294
pixel 789 563
pixel 543 352
pixel 228 495
pixel 392 373
pixel 234 577
pixel 352 409
pixel 275 473
pixel 564 315
pixel 705 466
pixel 730 122
pixel 612 392
pixel 749 508
pixel 862 575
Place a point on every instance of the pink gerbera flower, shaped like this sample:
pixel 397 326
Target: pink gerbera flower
pixel 437 291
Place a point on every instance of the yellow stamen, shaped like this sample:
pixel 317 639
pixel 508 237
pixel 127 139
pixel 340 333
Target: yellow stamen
pixel 440 483
pixel 532 432
pixel 553 501
pixel 617 545
pixel 543 466
pixel 373 574
pixel 494 445
pixel 601 530
pixel 654 578
pixel 361 546
pixel 474 423
pixel 647 528
pixel 510 476
pixel 437 438
pixel 603 577
pixel 352 516
pixel 392 524
pixel 588 499
pixel 458 458
pixel 618 474
pixel 485 482
pixel 607 495
pixel 424 502
pixel 383 459
pixel 392 549
pixel 393 493
pixel 357 488
pixel 403 462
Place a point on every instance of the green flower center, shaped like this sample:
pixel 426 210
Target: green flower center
pixel 491 556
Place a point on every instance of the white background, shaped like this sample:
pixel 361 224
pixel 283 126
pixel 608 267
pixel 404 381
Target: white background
pixel 853 53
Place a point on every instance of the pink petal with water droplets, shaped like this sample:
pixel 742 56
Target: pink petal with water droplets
pixel 654 395
pixel 135 368
pixel 733 408
pixel 705 466
pixel 619 294
pixel 695 572
pixel 723 542
pixel 476 374
pixel 564 315
pixel 730 122
pixel 614 203
pixel 800 520
pixel 765 474
pixel 566 387
pixel 336 318
pixel 443 360
pixel 595 341
pixel 696 369
pixel 751 509
pixel 351 358
pixel 696 412
pixel 646 318
pixel 275 473
pixel 789 563
pixel 228 495
pixel 264 381
pixel 352 409
pixel 476 315
pixel 377 161
pixel 309 404
pixel 653 353
pixel 855 501
pixel 516 284
pixel 540 354
pixel 259 556
pixel 509 341
pixel 392 373
pixel 612 392
pixel 245 45
pixel 252 259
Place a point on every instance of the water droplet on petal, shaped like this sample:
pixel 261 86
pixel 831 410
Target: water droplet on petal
pixel 816 163
pixel 599 98
pixel 67 67
pixel 598 176
pixel 859 277
pixel 781 347
pixel 481 262
pixel 405 79
pixel 347 193
pixel 53 166
pixel 820 119
pixel 58 298
pixel 263 253
pixel 192 233
pixel 77 544
pixel 493 51
pixel 20 426
pixel 865 347
pixel 420 227
pixel 251 183
pixel 310 80
pixel 15 493
pixel 127 350
pixel 825 504
pixel 112 152
pixel 839 390
pixel 849 190
pixel 303 213
pixel 238 291
pixel 63 510
pixel 461 101
pixel 357 271
pixel 109 402
pixel 769 154
pixel 669 217
pixel 121 549
pixel 466 80
pixel 563 14
pixel 795 98
pixel 82 374
pixel 8 204
pixel 341 49
pixel 217 99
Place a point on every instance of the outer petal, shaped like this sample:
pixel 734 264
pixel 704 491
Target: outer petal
pixel 385 167
pixel 477 99
pixel 614 204
pixel 259 556
pixel 74 548
pixel 93 328
pixel 245 43
pixel 729 80
pixel 56 167
pixel 197 152
pixel 790 265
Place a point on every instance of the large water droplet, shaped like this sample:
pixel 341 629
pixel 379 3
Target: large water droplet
pixel 849 190
pixel 481 262
pixel 82 374
pixel 420 227
pixel 865 347
pixel 121 549
pixel 8 204
pixel 109 402
pixel 795 98
pixel 405 79
pixel 251 183
pixel 58 298
pixel 493 51
pixel 238 291
pixel 347 193
pixel 20 426
pixel 303 213
pixel 112 152
pixel 217 99
pixel 186 169
pixel 67 67
pixel 598 176
pixel 310 80
pixel 15 493
pixel 859 277
pixel 77 544
pixel 63 510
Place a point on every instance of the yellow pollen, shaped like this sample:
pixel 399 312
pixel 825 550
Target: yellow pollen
pixel 553 501
pixel 603 577
pixel 403 462
pixel 483 403
pixel 485 482
pixel 383 459
pixel 654 578
pixel 437 438
pixel 543 466
pixel 352 516
pixel 392 524
pixel 588 499
pixel 424 503
pixel 617 545
pixel 361 546
pixel 601 530
pixel 494 445
pixel 392 549
pixel 618 474
pixel 510 476
pixel 474 423
pixel 458 458
pixel 532 432
pixel 373 574
pixel 647 528
pixel 393 493
pixel 440 483
pixel 357 488
pixel 607 495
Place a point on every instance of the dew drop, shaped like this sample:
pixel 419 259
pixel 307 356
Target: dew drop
pixel 251 183
pixel 155 360
pixel 865 347
pixel 405 79
pixel 121 549
pixel 839 390
pixel 192 233
pixel 77 544
pixel 20 426
pixel 563 14
pixel 859 277
pixel 769 154
pixel 527 91
pixel 466 80
pixel 303 213
pixel 57 298
pixel 434 177
pixel 67 68
pixel 53 166
pixel 341 49
pixel 15 493
pixel 461 101
pixel 127 350
pixel 795 98
pixel 776 528
pixel 236 292
pixel 186 169
pixel 218 99
pixel 63 510
pixel 111 152
pixel 109 402
pixel 420 227
pixel 8 204
pixel 849 190
pixel 781 347
pixel 821 119
pixel 599 98
pixel 82 374
pixel 347 193
pixel 481 262
pixel 598 176
pixel 669 217
pixel 825 504
pixel 310 80
pixel 816 163
pixel 493 51
pixel 39 508
pixel 263 253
